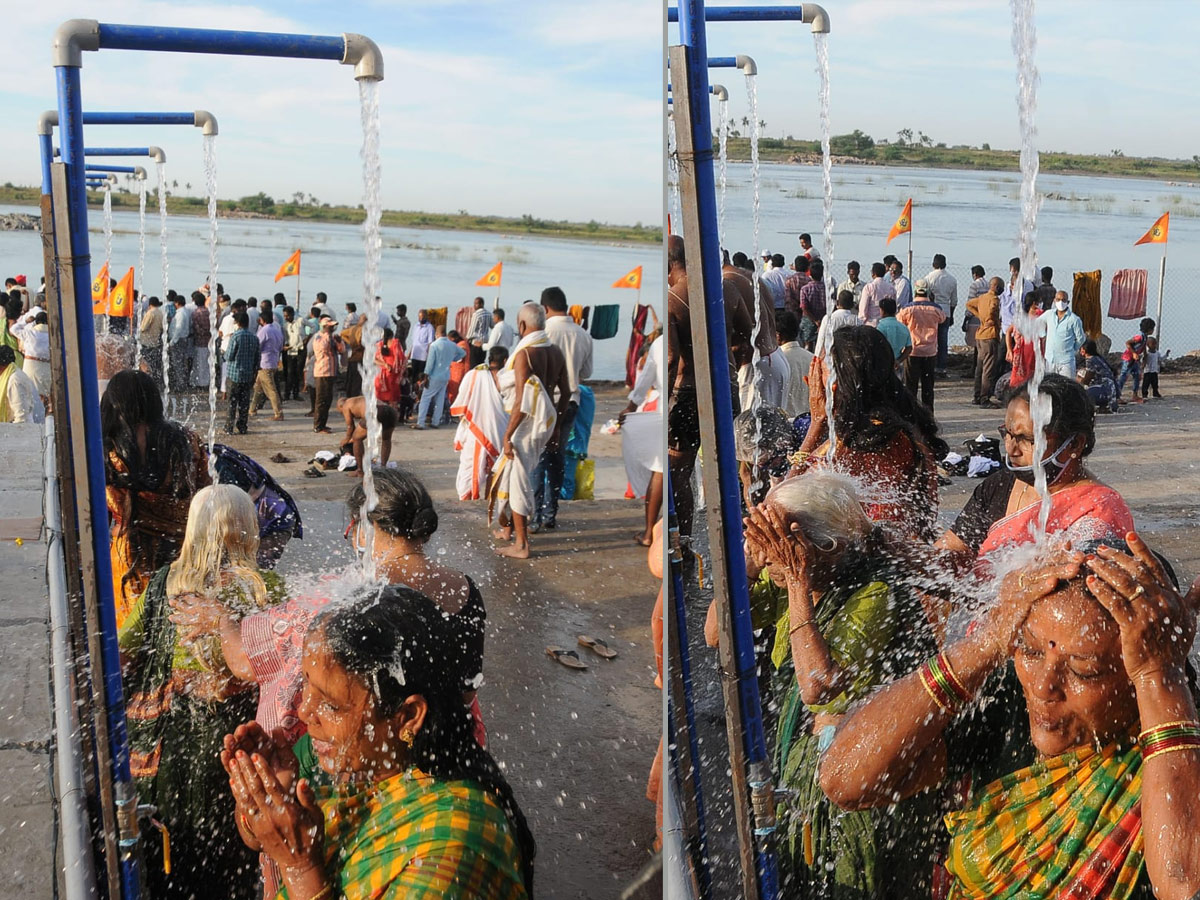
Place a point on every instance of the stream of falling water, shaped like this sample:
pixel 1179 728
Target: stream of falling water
pixel 821 41
pixel 141 266
pixel 1024 44
pixel 210 182
pixel 673 177
pixel 368 94
pixel 723 170
pixel 108 236
pixel 162 242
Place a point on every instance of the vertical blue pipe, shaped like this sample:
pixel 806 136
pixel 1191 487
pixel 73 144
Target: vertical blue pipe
pixel 694 39
pixel 70 118
pixel 678 625
pixel 46 145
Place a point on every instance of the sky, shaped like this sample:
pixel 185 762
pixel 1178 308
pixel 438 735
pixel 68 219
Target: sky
pixel 503 107
pixel 1110 78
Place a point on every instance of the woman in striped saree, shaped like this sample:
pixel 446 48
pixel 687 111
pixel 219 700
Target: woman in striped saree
pixel 406 804
pixel 1096 795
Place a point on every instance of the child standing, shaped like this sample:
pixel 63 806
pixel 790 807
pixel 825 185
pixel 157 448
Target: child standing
pixel 1131 359
pixel 1150 369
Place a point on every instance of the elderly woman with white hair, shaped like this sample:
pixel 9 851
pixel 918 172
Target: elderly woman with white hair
pixel 852 622
pixel 181 699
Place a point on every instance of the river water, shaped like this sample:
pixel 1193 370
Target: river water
pixel 418 267
pixel 975 217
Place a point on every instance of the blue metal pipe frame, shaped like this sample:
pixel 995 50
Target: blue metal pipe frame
pixel 49 151
pixel 70 116
pixel 97 167
pixel 691 15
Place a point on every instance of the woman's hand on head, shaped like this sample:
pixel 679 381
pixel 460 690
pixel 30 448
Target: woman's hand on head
pixel 1157 624
pixel 1022 588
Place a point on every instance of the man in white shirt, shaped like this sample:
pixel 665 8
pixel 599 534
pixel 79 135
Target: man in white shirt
pixel 900 284
pixel 853 284
pixel 423 336
pixel 774 279
pixel 179 346
pixel 806 246
pixel 878 288
pixel 943 290
pixel 502 334
pixel 576 347
pixel 787 327
pixel 19 400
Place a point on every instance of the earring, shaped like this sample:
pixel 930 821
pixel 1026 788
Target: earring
pixel 407 737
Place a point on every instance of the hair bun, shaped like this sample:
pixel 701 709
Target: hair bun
pixel 424 524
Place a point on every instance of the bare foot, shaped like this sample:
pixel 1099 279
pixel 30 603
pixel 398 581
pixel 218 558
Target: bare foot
pixel 355 474
pixel 503 534
pixel 514 552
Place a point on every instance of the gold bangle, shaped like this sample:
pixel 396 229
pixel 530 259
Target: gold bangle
pixel 1146 731
pixel 800 625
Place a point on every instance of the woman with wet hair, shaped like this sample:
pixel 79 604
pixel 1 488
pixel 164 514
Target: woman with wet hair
pixel 1082 756
pixel 883 437
pixel 153 467
pixel 851 622
pixel 182 698
pixel 411 805
pixel 1005 506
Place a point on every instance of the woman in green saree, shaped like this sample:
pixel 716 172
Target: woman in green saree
pixel 852 622
pixel 408 805
pixel 1098 797
pixel 182 699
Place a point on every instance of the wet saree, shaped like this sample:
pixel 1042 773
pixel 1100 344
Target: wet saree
pixel 1069 826
pixel 412 836
pixel 827 852
pixel 1084 511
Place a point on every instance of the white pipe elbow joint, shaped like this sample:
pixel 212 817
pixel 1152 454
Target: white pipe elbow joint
pixel 205 120
pixel 815 15
pixel 719 92
pixel 47 122
pixel 366 57
pixel 156 154
pixel 73 37
pixel 746 64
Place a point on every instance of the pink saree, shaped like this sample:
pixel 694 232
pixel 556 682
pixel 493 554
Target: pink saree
pixel 1082 512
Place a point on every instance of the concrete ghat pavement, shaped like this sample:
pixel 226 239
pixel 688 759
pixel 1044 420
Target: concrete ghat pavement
pixel 28 825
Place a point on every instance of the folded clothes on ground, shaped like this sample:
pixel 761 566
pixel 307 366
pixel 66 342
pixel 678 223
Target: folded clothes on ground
pixel 981 467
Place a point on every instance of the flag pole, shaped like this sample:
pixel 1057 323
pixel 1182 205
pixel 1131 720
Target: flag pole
pixel 297 288
pixel 910 268
pixel 1162 275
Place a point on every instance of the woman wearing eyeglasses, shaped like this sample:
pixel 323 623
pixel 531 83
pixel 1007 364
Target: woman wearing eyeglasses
pixel 1003 511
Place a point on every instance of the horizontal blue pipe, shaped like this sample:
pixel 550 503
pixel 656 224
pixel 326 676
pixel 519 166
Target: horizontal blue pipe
pixel 722 62
pixel 229 43
pixel 139 118
pixel 97 167
pixel 745 14
pixel 110 151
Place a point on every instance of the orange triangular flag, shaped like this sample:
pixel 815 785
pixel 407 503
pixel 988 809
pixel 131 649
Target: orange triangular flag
pixel 120 301
pixel 903 224
pixel 291 267
pixel 631 280
pixel 492 278
pixel 100 291
pixel 1158 231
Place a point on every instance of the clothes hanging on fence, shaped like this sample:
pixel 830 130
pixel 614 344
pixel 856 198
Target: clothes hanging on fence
pixel 636 340
pixel 462 321
pixel 605 322
pixel 1085 301
pixel 1128 297
pixel 576 313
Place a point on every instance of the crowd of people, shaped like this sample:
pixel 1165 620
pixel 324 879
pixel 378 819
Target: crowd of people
pixel 1002 709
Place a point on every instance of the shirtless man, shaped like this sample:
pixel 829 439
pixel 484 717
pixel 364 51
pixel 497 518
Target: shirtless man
pixel 354 410
pixel 774 372
pixel 683 418
pixel 527 435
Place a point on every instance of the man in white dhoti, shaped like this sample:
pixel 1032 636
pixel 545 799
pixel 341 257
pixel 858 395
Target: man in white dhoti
pixel 535 370
pixel 642 438
pixel 481 424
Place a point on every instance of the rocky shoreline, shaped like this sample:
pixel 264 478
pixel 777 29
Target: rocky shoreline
pixel 20 222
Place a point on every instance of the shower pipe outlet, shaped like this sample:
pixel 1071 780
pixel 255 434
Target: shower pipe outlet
pixel 718 91
pixel 809 13
pixel 205 121
pixel 364 54
pixel 200 118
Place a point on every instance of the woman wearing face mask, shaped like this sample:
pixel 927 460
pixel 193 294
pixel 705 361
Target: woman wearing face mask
pixel 1004 508
pixel 400 801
